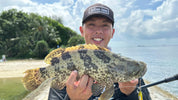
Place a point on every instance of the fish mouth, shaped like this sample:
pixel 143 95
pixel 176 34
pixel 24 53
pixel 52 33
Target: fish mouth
pixel 143 70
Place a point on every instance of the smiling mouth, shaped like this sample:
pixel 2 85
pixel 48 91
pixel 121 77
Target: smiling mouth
pixel 97 39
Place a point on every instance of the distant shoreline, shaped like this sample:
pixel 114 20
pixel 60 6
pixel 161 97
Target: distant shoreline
pixel 15 68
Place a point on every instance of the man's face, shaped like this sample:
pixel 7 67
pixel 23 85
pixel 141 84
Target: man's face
pixel 98 31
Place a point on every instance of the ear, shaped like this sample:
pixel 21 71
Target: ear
pixel 81 31
pixel 113 31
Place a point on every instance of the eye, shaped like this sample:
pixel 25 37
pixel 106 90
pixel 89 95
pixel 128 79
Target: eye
pixel 91 24
pixel 105 26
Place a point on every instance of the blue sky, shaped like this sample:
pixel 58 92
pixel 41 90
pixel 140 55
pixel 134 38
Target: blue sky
pixel 137 22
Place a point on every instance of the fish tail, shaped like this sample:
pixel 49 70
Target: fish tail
pixel 32 79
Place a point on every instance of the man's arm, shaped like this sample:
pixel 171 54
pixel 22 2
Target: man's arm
pixel 118 95
pixel 128 87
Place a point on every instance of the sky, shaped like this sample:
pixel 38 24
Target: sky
pixel 137 22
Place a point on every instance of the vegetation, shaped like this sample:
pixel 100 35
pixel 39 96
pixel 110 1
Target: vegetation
pixel 41 49
pixel 75 40
pixel 12 89
pixel 24 35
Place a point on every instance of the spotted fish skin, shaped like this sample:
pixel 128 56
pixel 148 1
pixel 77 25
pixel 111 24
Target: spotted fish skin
pixel 98 64
pixel 103 66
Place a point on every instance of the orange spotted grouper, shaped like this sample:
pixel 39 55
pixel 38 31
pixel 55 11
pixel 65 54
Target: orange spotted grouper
pixel 97 62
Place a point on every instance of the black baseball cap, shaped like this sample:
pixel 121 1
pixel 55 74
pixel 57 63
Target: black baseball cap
pixel 98 10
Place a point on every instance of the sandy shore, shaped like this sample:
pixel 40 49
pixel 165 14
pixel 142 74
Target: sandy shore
pixel 17 67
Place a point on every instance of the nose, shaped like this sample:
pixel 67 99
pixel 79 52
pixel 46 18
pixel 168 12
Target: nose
pixel 99 30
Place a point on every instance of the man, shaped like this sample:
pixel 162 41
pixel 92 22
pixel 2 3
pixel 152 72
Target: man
pixel 97 28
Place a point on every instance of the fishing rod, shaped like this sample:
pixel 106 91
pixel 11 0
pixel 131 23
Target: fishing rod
pixel 140 96
pixel 173 78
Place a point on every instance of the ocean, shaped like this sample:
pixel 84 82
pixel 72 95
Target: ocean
pixel 162 62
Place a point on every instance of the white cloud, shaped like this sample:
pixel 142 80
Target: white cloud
pixel 167 10
pixel 129 22
pixel 163 22
pixel 71 12
pixel 6 4
pixel 165 19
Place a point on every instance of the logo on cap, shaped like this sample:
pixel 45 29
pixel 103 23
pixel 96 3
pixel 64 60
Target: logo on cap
pixel 98 9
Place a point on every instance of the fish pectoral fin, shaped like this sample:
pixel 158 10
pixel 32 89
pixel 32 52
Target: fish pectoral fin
pixel 108 93
pixel 58 85
pixel 97 89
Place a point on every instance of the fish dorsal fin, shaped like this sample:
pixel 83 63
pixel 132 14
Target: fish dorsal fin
pixel 55 53
pixel 58 52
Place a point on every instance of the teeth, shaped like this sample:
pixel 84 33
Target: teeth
pixel 97 39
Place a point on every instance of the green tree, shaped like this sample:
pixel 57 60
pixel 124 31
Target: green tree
pixel 75 40
pixel 41 49
pixel 20 32
pixel 12 24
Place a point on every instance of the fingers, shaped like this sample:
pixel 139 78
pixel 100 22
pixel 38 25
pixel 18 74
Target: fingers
pixel 83 81
pixel 89 86
pixel 81 85
pixel 134 81
pixel 79 89
pixel 128 87
pixel 90 83
pixel 71 80
pixel 85 84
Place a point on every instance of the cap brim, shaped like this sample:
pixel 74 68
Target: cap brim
pixel 97 15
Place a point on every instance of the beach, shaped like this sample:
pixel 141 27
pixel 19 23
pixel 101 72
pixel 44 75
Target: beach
pixel 16 68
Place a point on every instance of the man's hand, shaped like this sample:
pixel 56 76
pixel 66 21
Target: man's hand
pixel 79 90
pixel 128 87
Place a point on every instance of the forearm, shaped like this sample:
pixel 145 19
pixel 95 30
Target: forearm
pixel 118 95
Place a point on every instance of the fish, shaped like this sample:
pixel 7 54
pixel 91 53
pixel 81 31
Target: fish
pixel 97 62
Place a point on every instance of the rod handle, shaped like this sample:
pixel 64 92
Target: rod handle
pixel 175 77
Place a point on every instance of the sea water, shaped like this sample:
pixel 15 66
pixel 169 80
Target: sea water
pixel 162 62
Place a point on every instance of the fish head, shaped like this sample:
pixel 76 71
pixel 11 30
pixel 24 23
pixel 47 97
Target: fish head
pixel 136 69
pixel 127 69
